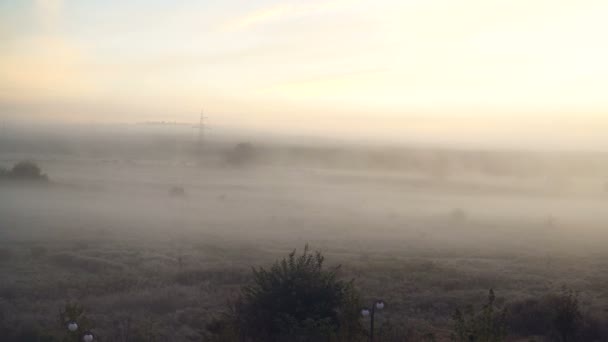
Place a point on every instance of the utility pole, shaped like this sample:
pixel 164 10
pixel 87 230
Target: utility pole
pixel 201 130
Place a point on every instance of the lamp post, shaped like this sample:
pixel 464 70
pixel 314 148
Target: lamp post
pixel 371 312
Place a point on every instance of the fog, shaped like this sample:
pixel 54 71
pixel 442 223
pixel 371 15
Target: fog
pixel 290 192
pixel 303 170
pixel 136 200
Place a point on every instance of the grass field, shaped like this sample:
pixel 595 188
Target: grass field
pixel 146 265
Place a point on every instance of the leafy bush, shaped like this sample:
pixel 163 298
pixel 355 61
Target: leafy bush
pixel 530 317
pixel 556 316
pixel 488 325
pixel 295 300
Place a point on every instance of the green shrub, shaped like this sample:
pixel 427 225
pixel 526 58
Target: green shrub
pixel 556 316
pixel 487 325
pixel 530 317
pixel 295 300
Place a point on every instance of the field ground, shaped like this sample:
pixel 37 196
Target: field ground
pixel 107 234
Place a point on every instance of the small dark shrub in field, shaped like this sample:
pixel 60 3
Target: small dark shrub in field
pixel 530 317
pixel 458 215
pixel 487 325
pixel 241 154
pixel 177 191
pixel 295 300
pixel 556 316
pixel 24 170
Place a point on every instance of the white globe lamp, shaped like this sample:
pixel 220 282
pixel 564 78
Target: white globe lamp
pixel 72 326
pixel 88 337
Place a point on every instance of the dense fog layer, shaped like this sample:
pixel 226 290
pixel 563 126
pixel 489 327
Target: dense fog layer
pixel 439 200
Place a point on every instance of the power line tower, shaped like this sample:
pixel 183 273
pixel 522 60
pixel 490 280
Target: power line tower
pixel 201 130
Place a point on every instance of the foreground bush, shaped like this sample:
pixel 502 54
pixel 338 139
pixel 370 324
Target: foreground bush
pixel 556 316
pixel 295 300
pixel 487 325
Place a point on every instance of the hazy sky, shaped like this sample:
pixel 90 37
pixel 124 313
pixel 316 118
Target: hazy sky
pixel 350 64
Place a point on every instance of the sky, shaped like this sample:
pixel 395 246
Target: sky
pixel 342 67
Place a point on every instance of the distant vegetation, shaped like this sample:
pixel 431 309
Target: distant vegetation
pixel 24 170
pixel 243 153
pixel 458 215
pixel 177 191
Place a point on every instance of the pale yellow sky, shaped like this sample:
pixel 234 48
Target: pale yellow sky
pixel 295 65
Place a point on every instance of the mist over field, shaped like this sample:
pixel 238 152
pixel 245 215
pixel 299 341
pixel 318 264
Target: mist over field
pixel 153 226
pixel 303 171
